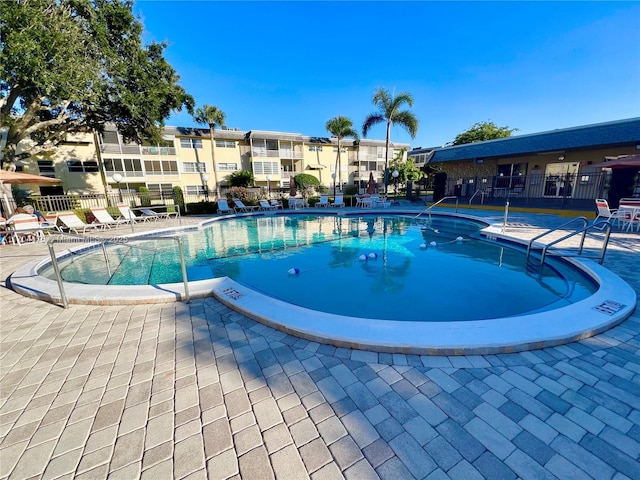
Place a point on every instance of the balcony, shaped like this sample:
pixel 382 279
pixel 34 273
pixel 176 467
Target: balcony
pixel 164 151
pixel 117 148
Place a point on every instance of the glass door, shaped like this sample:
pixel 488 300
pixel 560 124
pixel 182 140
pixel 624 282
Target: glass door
pixel 560 179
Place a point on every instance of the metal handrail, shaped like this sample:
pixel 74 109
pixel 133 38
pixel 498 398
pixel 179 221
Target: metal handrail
pixel 428 209
pixel 482 194
pixel 600 225
pixel 56 267
pixel 584 220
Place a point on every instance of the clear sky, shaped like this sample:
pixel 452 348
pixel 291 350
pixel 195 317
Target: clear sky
pixel 291 66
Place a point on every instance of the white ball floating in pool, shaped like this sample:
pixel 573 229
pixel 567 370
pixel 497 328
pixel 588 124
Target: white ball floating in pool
pixel 373 255
pixel 294 271
pixel 433 244
pixel 459 239
pixel 423 245
pixel 362 257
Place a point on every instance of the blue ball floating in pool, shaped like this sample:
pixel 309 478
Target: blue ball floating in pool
pixel 373 256
pixel 459 239
pixel 433 244
pixel 423 246
pixel 294 271
pixel 362 258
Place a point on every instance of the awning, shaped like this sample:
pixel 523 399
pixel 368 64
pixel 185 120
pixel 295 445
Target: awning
pixel 315 167
pixel 629 161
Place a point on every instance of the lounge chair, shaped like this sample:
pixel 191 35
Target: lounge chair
pixel 241 207
pixel 276 203
pixel 73 223
pixel 361 200
pixel 385 202
pixel 339 201
pixel 223 206
pixel 265 205
pixel 324 201
pixel 153 215
pixel 296 203
pixel 126 213
pixel 23 225
pixel 610 214
pixel 106 219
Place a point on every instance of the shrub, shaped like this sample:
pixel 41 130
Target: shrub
pixel 238 192
pixel 241 178
pixel 350 189
pixel 144 196
pixel 178 197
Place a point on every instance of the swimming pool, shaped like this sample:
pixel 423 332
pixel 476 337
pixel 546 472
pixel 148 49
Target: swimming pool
pixel 376 282
pixel 372 266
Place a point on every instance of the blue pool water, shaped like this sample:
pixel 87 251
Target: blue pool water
pixel 406 277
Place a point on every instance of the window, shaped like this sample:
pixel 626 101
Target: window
pixel 75 166
pixel 132 165
pixel 266 168
pixel 225 144
pixel 110 137
pixel 194 167
pixel 342 150
pixel 129 167
pixel 190 143
pixel 170 167
pixel 194 189
pixel 161 167
pixel 314 148
pixel 160 190
pixel 227 167
pixel 84 167
pixel 46 168
pixel 272 145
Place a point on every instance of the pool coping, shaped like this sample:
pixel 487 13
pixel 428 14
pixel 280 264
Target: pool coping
pixel 612 303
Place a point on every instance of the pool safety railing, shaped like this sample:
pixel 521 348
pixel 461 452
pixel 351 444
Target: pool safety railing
pixel 429 208
pixel 602 225
pixel 481 192
pixel 61 238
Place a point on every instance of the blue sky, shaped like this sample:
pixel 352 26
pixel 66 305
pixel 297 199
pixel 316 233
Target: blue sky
pixel 291 66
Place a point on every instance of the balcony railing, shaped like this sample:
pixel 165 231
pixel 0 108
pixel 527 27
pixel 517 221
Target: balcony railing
pixel 165 151
pixel 117 148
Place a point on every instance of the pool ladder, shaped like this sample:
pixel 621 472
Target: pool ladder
pixel 586 227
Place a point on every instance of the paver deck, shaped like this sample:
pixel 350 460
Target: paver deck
pixel 198 391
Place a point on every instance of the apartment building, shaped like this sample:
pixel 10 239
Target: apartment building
pixel 90 163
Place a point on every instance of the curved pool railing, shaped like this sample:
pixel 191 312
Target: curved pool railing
pixel 61 239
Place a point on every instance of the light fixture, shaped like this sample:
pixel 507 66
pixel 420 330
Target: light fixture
pixel 118 178
pixel 561 158
pixel 395 175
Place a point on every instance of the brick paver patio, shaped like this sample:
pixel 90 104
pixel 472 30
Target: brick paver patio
pixel 198 391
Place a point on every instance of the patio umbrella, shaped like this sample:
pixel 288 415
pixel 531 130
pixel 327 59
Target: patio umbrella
pixel 292 187
pixel 629 161
pixel 371 186
pixel 20 178
pixel 10 178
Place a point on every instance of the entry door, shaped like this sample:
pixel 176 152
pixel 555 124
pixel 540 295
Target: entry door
pixel 560 179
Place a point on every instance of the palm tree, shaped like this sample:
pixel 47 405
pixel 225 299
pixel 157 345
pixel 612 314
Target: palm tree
pixel 340 127
pixel 214 117
pixel 389 111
